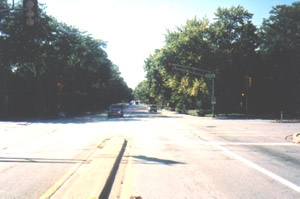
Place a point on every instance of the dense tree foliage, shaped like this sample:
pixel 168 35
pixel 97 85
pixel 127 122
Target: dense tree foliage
pixel 53 67
pixel 234 42
pixel 186 45
pixel 257 69
pixel 280 49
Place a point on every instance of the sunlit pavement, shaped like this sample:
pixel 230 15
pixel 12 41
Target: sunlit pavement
pixel 210 158
pixel 197 157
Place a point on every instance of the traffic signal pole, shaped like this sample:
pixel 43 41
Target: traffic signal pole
pixel 213 98
pixel 201 73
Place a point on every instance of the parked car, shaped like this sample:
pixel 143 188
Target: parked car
pixel 152 108
pixel 115 110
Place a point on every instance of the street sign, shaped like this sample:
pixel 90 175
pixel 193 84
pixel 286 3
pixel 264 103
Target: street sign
pixel 210 75
pixel 213 100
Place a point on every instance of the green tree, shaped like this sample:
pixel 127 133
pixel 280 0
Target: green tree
pixel 56 67
pixel 187 45
pixel 141 92
pixel 234 41
pixel 227 47
pixel 280 48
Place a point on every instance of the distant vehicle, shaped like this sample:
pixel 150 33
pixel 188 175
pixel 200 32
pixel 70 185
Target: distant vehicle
pixel 152 108
pixel 115 110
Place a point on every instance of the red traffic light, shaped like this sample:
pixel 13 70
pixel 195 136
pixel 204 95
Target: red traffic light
pixel 59 84
pixel 170 64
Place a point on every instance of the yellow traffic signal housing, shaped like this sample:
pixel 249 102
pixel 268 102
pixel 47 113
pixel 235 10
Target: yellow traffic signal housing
pixel 30 11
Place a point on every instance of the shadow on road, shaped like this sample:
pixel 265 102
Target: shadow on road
pixel 130 114
pixel 151 160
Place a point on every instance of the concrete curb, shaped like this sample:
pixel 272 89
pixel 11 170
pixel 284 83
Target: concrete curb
pixel 95 175
pixel 110 180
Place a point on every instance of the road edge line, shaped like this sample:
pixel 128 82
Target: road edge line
pixel 260 169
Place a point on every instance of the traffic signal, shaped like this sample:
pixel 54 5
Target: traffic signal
pixel 59 86
pixel 170 64
pixel 30 11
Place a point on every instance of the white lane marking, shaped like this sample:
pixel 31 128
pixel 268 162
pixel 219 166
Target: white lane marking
pixel 260 169
pixel 247 162
pixel 220 143
pixel 255 143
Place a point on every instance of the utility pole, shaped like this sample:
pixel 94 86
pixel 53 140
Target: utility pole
pixel 201 73
pixel 248 81
pixel 213 98
pixel 5 108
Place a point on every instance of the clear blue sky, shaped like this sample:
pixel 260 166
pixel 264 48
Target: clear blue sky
pixel 133 29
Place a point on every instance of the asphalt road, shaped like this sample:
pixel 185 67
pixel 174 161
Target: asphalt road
pixel 178 156
pixel 35 155
pixel 168 155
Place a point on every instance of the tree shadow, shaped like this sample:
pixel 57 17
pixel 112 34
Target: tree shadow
pixel 130 114
pixel 151 160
